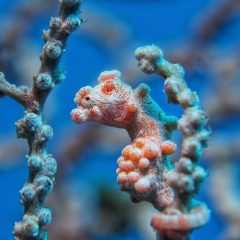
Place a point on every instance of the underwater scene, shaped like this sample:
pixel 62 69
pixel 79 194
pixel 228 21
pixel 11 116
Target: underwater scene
pixel 119 119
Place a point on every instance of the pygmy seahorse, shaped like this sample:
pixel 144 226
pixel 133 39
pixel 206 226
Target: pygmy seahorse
pixel 142 163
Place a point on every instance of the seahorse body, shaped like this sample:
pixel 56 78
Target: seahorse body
pixel 114 103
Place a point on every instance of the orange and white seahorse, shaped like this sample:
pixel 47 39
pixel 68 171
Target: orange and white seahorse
pixel 142 163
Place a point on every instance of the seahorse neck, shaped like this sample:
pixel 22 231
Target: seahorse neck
pixel 144 126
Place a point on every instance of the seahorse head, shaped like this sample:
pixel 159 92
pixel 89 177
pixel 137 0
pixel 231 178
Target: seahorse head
pixel 110 102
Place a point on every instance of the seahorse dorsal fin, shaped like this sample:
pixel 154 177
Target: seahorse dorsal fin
pixel 142 90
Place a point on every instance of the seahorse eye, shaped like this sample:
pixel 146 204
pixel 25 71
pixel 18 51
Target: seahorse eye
pixel 87 98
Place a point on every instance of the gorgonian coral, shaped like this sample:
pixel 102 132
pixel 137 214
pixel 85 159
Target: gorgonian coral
pixel 32 127
pixel 145 168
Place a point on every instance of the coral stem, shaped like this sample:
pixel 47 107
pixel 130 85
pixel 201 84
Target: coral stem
pixel 20 94
pixel 186 177
pixel 42 166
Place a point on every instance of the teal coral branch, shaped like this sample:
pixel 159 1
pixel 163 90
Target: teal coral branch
pixel 187 175
pixel 32 127
pixel 154 110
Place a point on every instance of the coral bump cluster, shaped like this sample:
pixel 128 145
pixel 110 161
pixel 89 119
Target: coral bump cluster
pixel 145 168
pixel 32 127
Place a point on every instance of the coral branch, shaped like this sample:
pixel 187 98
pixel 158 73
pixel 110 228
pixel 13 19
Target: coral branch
pixel 225 151
pixel 20 94
pixel 222 156
pixel 215 20
pixel 11 42
pixel 55 38
pixel 145 168
pixel 69 153
pixel 42 166
pixel 196 51
pixel 187 176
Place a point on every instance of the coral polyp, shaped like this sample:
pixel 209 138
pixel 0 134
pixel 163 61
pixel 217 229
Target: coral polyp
pixel 145 168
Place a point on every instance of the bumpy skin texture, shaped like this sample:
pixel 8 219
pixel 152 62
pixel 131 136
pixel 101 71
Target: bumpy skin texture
pixel 145 168
pixel 32 127
pixel 114 103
